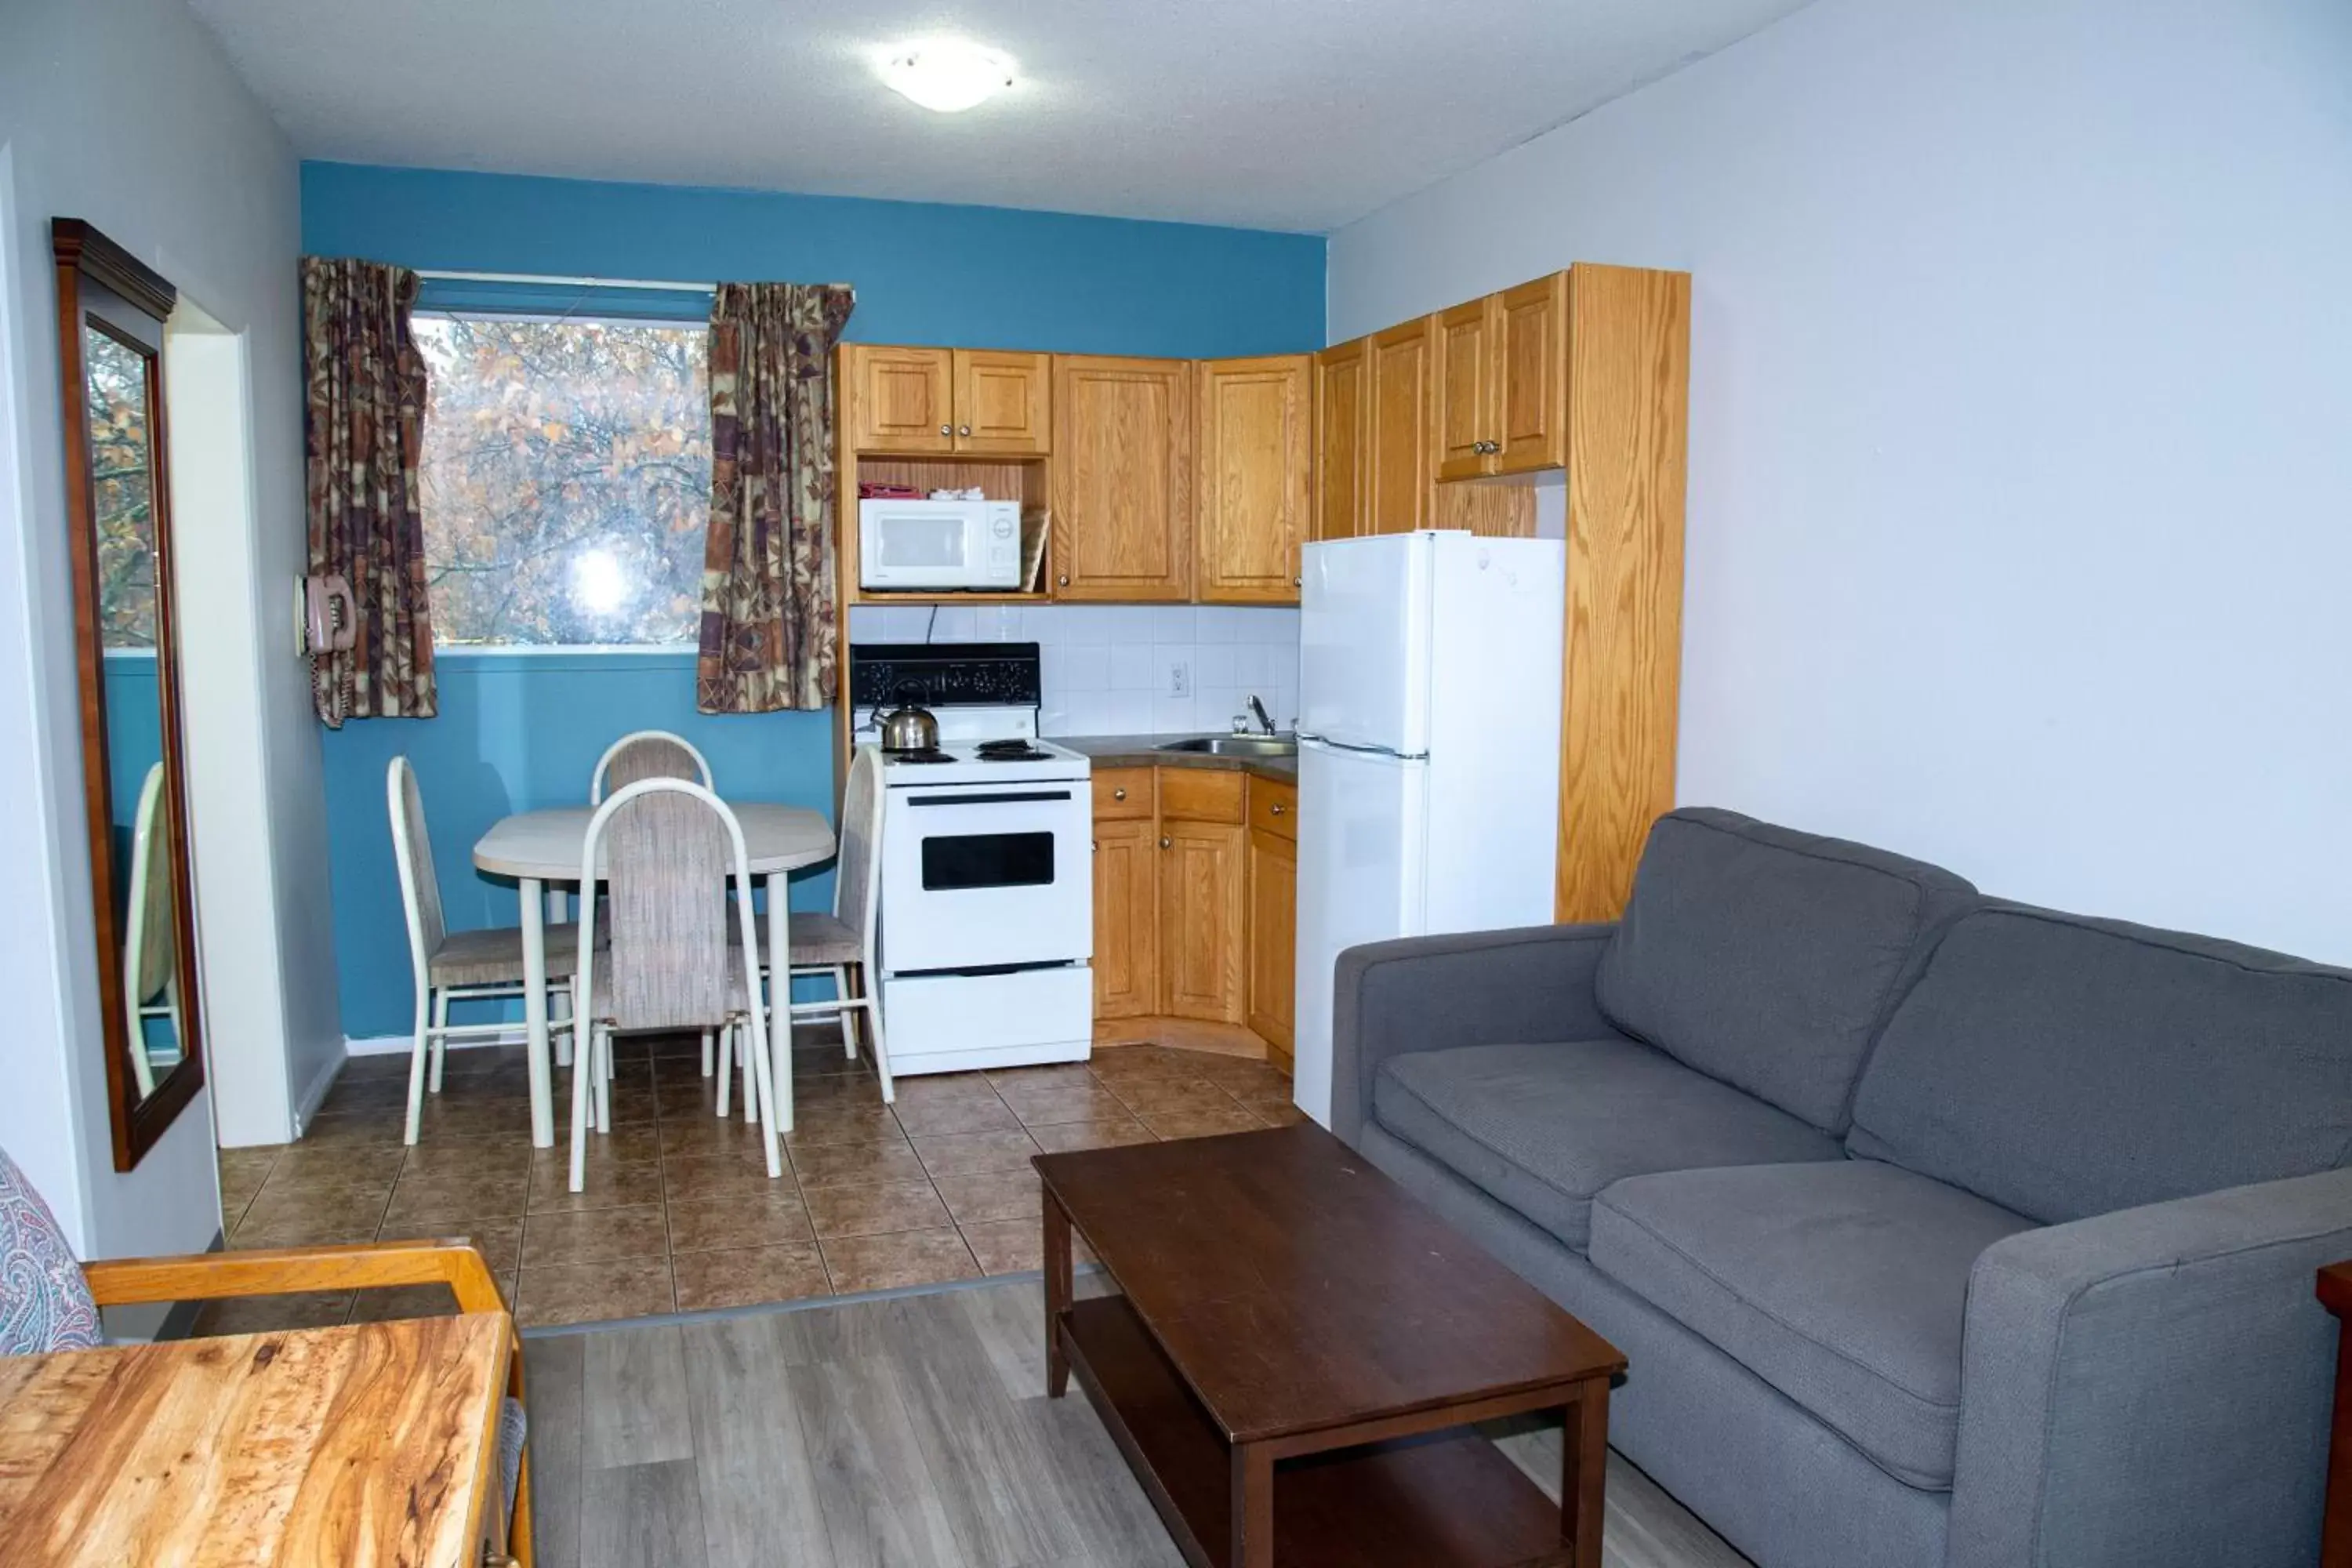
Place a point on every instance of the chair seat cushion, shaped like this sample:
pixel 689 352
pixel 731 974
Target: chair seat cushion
pixel 1541 1129
pixel 493 956
pixel 818 938
pixel 1842 1285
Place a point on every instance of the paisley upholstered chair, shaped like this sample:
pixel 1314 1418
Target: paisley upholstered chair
pixel 49 1302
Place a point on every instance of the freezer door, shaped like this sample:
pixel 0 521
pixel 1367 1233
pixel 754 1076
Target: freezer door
pixel 1363 643
pixel 1362 870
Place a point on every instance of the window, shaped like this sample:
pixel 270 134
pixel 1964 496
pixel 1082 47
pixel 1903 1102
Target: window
pixel 566 479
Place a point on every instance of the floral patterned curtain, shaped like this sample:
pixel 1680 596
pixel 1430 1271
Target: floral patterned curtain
pixel 769 609
pixel 363 432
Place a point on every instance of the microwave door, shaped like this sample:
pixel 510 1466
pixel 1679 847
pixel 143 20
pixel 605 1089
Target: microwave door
pixel 918 549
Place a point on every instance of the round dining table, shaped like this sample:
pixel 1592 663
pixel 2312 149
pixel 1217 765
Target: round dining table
pixel 539 848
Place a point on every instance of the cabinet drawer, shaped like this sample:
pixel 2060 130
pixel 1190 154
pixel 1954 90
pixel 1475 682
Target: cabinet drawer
pixel 1273 807
pixel 1122 793
pixel 1201 794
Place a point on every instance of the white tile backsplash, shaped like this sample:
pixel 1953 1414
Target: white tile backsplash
pixel 1106 668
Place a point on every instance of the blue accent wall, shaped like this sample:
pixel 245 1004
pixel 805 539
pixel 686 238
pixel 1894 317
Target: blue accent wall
pixel 520 730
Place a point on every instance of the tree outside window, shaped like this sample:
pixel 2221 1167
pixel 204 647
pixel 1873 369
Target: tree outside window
pixel 565 479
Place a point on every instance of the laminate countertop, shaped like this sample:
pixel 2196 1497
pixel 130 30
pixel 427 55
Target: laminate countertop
pixel 1143 751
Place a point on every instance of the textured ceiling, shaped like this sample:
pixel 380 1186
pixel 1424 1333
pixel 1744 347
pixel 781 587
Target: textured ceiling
pixel 1291 114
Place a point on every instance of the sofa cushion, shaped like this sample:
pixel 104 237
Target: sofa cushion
pixel 1769 958
pixel 1842 1285
pixel 2064 1067
pixel 1541 1129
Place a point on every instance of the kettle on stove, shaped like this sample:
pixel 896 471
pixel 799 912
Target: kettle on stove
pixel 909 727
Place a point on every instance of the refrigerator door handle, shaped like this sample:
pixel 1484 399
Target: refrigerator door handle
pixel 1307 740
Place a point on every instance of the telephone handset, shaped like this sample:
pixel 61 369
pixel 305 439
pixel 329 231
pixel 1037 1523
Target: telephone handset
pixel 330 618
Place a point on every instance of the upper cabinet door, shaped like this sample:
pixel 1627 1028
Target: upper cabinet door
pixel 1403 389
pixel 1465 389
pixel 1343 408
pixel 1121 485
pixel 1254 481
pixel 900 399
pixel 1530 379
pixel 1001 402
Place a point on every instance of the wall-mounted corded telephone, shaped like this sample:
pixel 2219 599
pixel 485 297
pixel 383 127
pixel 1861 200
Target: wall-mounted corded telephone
pixel 329 620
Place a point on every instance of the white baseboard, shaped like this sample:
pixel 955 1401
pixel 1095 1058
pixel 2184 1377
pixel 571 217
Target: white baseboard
pixel 400 1045
pixel 314 1094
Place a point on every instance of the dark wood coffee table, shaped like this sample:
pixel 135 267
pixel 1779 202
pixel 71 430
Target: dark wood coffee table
pixel 1296 1337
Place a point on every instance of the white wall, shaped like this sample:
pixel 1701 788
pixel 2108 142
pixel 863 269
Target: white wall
pixel 2020 493
pixel 126 114
pixel 1114 670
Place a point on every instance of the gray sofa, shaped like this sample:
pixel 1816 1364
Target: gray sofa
pixel 1938 1230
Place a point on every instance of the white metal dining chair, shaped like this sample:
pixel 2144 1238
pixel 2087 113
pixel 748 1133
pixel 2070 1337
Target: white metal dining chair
pixel 841 944
pixel 673 845
pixel 455 966
pixel 647 754
pixel 151 953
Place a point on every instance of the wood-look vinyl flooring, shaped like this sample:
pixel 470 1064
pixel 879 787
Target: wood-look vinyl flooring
pixel 910 1432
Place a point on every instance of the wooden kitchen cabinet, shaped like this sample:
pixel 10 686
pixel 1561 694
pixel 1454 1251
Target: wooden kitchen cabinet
pixel 1342 417
pixel 1272 960
pixel 1403 383
pixel 1466 337
pixel 1127 915
pixel 1254 476
pixel 1122 479
pixel 1502 401
pixel 979 402
pixel 1201 911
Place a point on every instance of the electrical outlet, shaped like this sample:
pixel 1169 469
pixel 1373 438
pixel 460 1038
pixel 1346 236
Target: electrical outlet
pixel 1180 678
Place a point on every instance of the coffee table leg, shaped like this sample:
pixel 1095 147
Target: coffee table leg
pixel 1059 1287
pixel 1253 1505
pixel 1584 1472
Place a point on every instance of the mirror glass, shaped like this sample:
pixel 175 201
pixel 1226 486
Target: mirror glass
pixel 119 387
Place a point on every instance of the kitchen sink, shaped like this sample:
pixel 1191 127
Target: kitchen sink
pixel 1237 746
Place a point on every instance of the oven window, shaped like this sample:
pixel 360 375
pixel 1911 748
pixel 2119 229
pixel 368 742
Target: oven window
pixel 988 860
pixel 918 542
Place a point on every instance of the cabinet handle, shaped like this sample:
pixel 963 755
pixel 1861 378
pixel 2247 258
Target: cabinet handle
pixel 1278 808
pixel 1118 794
pixel 1063 581
pixel 947 430
pixel 1166 842
pixel 964 429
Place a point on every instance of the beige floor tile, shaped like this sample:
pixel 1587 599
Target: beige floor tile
pixel 595 1236
pixel 1147 1096
pixel 250 1166
pixel 468 1195
pixel 453 1114
pixel 308 1217
pixel 966 1154
pixel 896 1261
pixel 396 1302
pixel 603 1185
pixel 836 1164
pixel 272 1314
pixel 1202 1122
pixel 869 1210
pixel 1007 1246
pixel 349 1130
pixel 1059 1074
pixel 1243 1076
pixel 594 1292
pixel 638 1141
pixel 746 1219
pixel 1275 1112
pixel 1042 1106
pixel 389 1064
pixel 487 1158
pixel 499 1241
pixel 1117 1063
pixel 747 1276
pixel 694 1179
pixel 960 1114
pixel 994 1196
pixel 1109 1132
pixel 707 1137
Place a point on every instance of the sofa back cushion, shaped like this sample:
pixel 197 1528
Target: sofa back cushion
pixel 1769 958
pixel 2064 1067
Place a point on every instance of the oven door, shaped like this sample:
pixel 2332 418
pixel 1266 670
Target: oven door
pixel 983 876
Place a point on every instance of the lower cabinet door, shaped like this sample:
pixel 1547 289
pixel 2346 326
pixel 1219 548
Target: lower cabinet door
pixel 1127 917
pixel 1200 919
pixel 1273 937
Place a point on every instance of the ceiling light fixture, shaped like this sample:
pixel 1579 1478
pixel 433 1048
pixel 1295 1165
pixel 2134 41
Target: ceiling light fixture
pixel 947 74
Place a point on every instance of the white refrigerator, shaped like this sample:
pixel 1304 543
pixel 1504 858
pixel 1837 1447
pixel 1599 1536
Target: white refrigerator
pixel 1428 751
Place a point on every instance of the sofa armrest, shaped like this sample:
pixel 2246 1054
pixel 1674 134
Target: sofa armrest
pixel 2151 1385
pixel 1476 988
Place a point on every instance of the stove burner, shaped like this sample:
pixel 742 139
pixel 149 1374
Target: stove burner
pixel 1011 751
pixel 930 757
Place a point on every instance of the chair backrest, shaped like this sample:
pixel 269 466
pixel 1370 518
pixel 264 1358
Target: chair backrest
pixel 667 847
pixel 646 754
pixel 149 950
pixel 857 875
pixel 411 853
pixel 44 1302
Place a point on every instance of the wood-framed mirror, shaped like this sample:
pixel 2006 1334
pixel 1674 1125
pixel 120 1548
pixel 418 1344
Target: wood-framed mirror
pixel 110 313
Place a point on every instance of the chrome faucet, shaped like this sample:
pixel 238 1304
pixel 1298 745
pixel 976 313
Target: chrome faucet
pixel 1258 708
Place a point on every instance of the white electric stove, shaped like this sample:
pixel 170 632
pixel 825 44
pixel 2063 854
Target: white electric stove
pixel 987 918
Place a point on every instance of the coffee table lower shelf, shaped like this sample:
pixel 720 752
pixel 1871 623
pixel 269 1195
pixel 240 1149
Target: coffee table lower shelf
pixel 1451 1498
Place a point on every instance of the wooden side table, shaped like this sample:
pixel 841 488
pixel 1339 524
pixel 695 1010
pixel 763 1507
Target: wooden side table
pixel 2335 1535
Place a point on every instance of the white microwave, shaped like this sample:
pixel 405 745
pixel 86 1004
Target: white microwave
pixel 939 543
